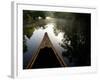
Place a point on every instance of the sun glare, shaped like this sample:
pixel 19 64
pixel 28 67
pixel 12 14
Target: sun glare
pixel 50 30
pixel 48 17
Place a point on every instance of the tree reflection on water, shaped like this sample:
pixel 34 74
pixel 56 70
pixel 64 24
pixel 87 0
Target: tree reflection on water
pixel 74 29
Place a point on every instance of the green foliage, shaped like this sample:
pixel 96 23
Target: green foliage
pixel 28 31
pixel 76 28
pixel 30 23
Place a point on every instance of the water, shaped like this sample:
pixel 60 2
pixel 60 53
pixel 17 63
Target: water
pixel 36 38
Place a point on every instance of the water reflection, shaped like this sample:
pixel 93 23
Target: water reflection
pixel 70 34
pixel 34 41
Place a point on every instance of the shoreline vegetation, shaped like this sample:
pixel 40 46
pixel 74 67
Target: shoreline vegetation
pixel 75 26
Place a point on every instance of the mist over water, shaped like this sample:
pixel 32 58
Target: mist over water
pixel 70 34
